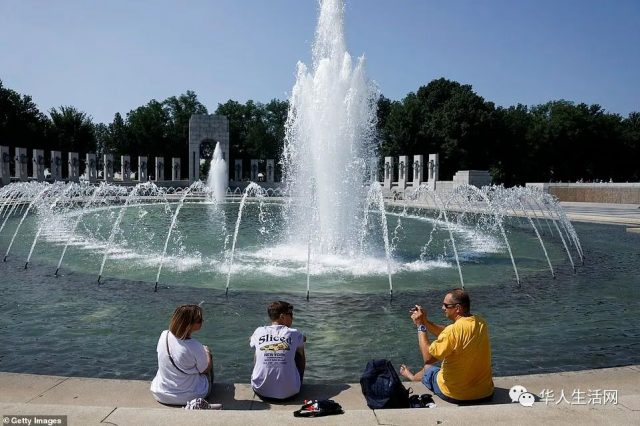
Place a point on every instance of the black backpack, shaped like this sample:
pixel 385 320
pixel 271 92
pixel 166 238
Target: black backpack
pixel 382 387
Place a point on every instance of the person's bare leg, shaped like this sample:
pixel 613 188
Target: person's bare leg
pixel 405 372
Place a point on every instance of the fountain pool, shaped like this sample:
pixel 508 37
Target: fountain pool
pixel 71 325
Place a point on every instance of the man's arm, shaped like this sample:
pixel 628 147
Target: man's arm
pixel 434 328
pixel 301 361
pixel 419 317
pixel 423 342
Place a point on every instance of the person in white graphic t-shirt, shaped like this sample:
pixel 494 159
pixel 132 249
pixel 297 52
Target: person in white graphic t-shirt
pixel 279 360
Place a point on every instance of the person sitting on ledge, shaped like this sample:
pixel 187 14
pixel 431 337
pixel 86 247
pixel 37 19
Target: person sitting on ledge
pixel 185 366
pixel 463 347
pixel 279 358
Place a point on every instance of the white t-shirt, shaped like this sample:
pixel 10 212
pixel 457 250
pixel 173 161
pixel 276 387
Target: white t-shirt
pixel 275 374
pixel 171 386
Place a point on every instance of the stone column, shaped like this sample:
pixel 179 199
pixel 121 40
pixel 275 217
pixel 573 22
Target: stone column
pixel 417 170
pixel 108 168
pixel 21 160
pixel 237 172
pixel 74 167
pixel 125 168
pixel 56 165
pixel 254 170
pixel 91 168
pixel 403 171
pixel 159 169
pixel 432 171
pixel 373 170
pixel 5 166
pixel 175 168
pixel 271 169
pixel 143 173
pixel 38 165
pixel 388 172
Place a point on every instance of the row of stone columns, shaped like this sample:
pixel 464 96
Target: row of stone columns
pixel 269 177
pixel 418 167
pixel 21 161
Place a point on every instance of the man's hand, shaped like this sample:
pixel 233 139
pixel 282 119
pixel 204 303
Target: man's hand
pixel 418 315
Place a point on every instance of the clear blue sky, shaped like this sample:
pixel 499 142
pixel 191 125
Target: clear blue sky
pixel 108 56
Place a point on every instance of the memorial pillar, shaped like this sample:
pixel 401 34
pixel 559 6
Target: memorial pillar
pixel 38 165
pixel 108 168
pixel 417 170
pixel 143 173
pixel 175 168
pixel 271 171
pixel 373 170
pixel 403 171
pixel 159 169
pixel 91 168
pixel 254 170
pixel 21 159
pixel 125 168
pixel 388 172
pixel 237 171
pixel 5 166
pixel 432 171
pixel 56 165
pixel 74 167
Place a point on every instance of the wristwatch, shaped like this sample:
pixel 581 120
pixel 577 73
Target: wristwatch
pixel 422 328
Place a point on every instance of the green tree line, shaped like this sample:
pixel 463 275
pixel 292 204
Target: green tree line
pixel 559 140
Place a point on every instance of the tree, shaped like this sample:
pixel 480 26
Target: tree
pixel 276 117
pixel 235 113
pixel 112 138
pixel 147 131
pixel 21 123
pixel 514 150
pixel 630 135
pixel 72 130
pixel 179 110
pixel 445 117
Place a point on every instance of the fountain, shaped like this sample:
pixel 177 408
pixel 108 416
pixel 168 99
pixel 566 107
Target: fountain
pixel 218 179
pixel 328 233
pixel 329 136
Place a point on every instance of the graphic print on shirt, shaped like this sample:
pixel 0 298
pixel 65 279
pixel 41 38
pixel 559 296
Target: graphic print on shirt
pixel 273 347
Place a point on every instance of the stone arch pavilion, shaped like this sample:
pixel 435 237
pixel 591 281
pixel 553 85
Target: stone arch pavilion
pixel 205 128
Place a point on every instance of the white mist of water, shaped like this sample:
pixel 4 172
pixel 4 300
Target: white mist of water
pixel 329 137
pixel 218 179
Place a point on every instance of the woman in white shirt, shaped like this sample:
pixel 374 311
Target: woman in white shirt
pixel 185 366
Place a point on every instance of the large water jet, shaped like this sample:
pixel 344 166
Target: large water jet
pixel 329 138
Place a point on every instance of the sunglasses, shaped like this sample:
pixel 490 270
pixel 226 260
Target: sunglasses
pixel 449 305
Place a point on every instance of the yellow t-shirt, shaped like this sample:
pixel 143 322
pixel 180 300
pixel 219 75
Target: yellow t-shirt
pixel 465 352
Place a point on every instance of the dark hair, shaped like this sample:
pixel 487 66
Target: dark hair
pixel 278 308
pixel 183 318
pixel 461 297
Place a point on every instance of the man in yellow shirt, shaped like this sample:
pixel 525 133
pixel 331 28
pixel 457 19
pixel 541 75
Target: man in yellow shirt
pixel 463 347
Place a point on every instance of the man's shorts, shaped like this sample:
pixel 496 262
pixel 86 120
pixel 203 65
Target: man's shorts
pixel 430 380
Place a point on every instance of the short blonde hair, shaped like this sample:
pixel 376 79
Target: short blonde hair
pixel 183 319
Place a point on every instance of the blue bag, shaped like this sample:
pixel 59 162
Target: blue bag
pixel 382 387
